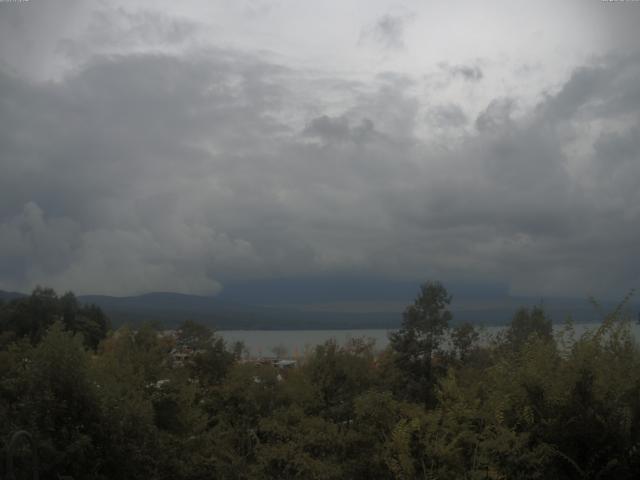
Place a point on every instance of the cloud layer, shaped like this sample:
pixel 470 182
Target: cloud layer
pixel 180 168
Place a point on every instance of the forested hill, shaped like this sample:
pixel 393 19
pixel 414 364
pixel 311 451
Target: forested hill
pixel 7 296
pixel 324 303
pixel 170 309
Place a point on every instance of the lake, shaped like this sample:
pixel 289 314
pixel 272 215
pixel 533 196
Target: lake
pixel 296 342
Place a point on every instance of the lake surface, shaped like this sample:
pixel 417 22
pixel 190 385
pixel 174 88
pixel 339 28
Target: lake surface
pixel 296 342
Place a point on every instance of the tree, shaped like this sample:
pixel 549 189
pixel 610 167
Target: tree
pixel 526 323
pixel 464 338
pixel 294 445
pixel 57 402
pixel 92 323
pixel 210 358
pixel 31 316
pixel 195 335
pixel 423 327
pixel 340 374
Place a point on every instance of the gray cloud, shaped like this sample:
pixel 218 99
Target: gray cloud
pixel 497 115
pixel 181 170
pixel 339 130
pixel 112 29
pixel 388 31
pixel 448 115
pixel 259 8
pixel 470 73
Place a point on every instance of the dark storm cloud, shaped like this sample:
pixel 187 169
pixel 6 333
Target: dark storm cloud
pixel 178 171
pixel 111 148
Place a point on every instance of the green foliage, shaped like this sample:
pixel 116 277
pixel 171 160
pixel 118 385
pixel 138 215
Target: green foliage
pixel 525 324
pixel 423 329
pixel 51 393
pixel 294 445
pixel 527 406
pixel 31 317
pixel 464 339
pixel 339 375
pixel 210 359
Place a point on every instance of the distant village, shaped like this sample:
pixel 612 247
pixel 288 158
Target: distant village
pixel 182 352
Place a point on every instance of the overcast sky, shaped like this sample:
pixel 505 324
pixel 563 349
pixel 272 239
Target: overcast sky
pixel 177 146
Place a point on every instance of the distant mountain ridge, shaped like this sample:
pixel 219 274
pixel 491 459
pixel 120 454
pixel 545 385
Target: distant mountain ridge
pixel 323 303
pixel 7 296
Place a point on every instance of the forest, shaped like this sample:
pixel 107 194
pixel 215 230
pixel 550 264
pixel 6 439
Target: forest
pixel 438 403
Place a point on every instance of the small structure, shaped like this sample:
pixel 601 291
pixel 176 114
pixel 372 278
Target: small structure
pixel 285 363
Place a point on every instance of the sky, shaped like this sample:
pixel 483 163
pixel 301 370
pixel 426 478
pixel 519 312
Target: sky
pixel 181 146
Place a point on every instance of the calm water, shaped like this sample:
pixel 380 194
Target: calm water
pixel 296 342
